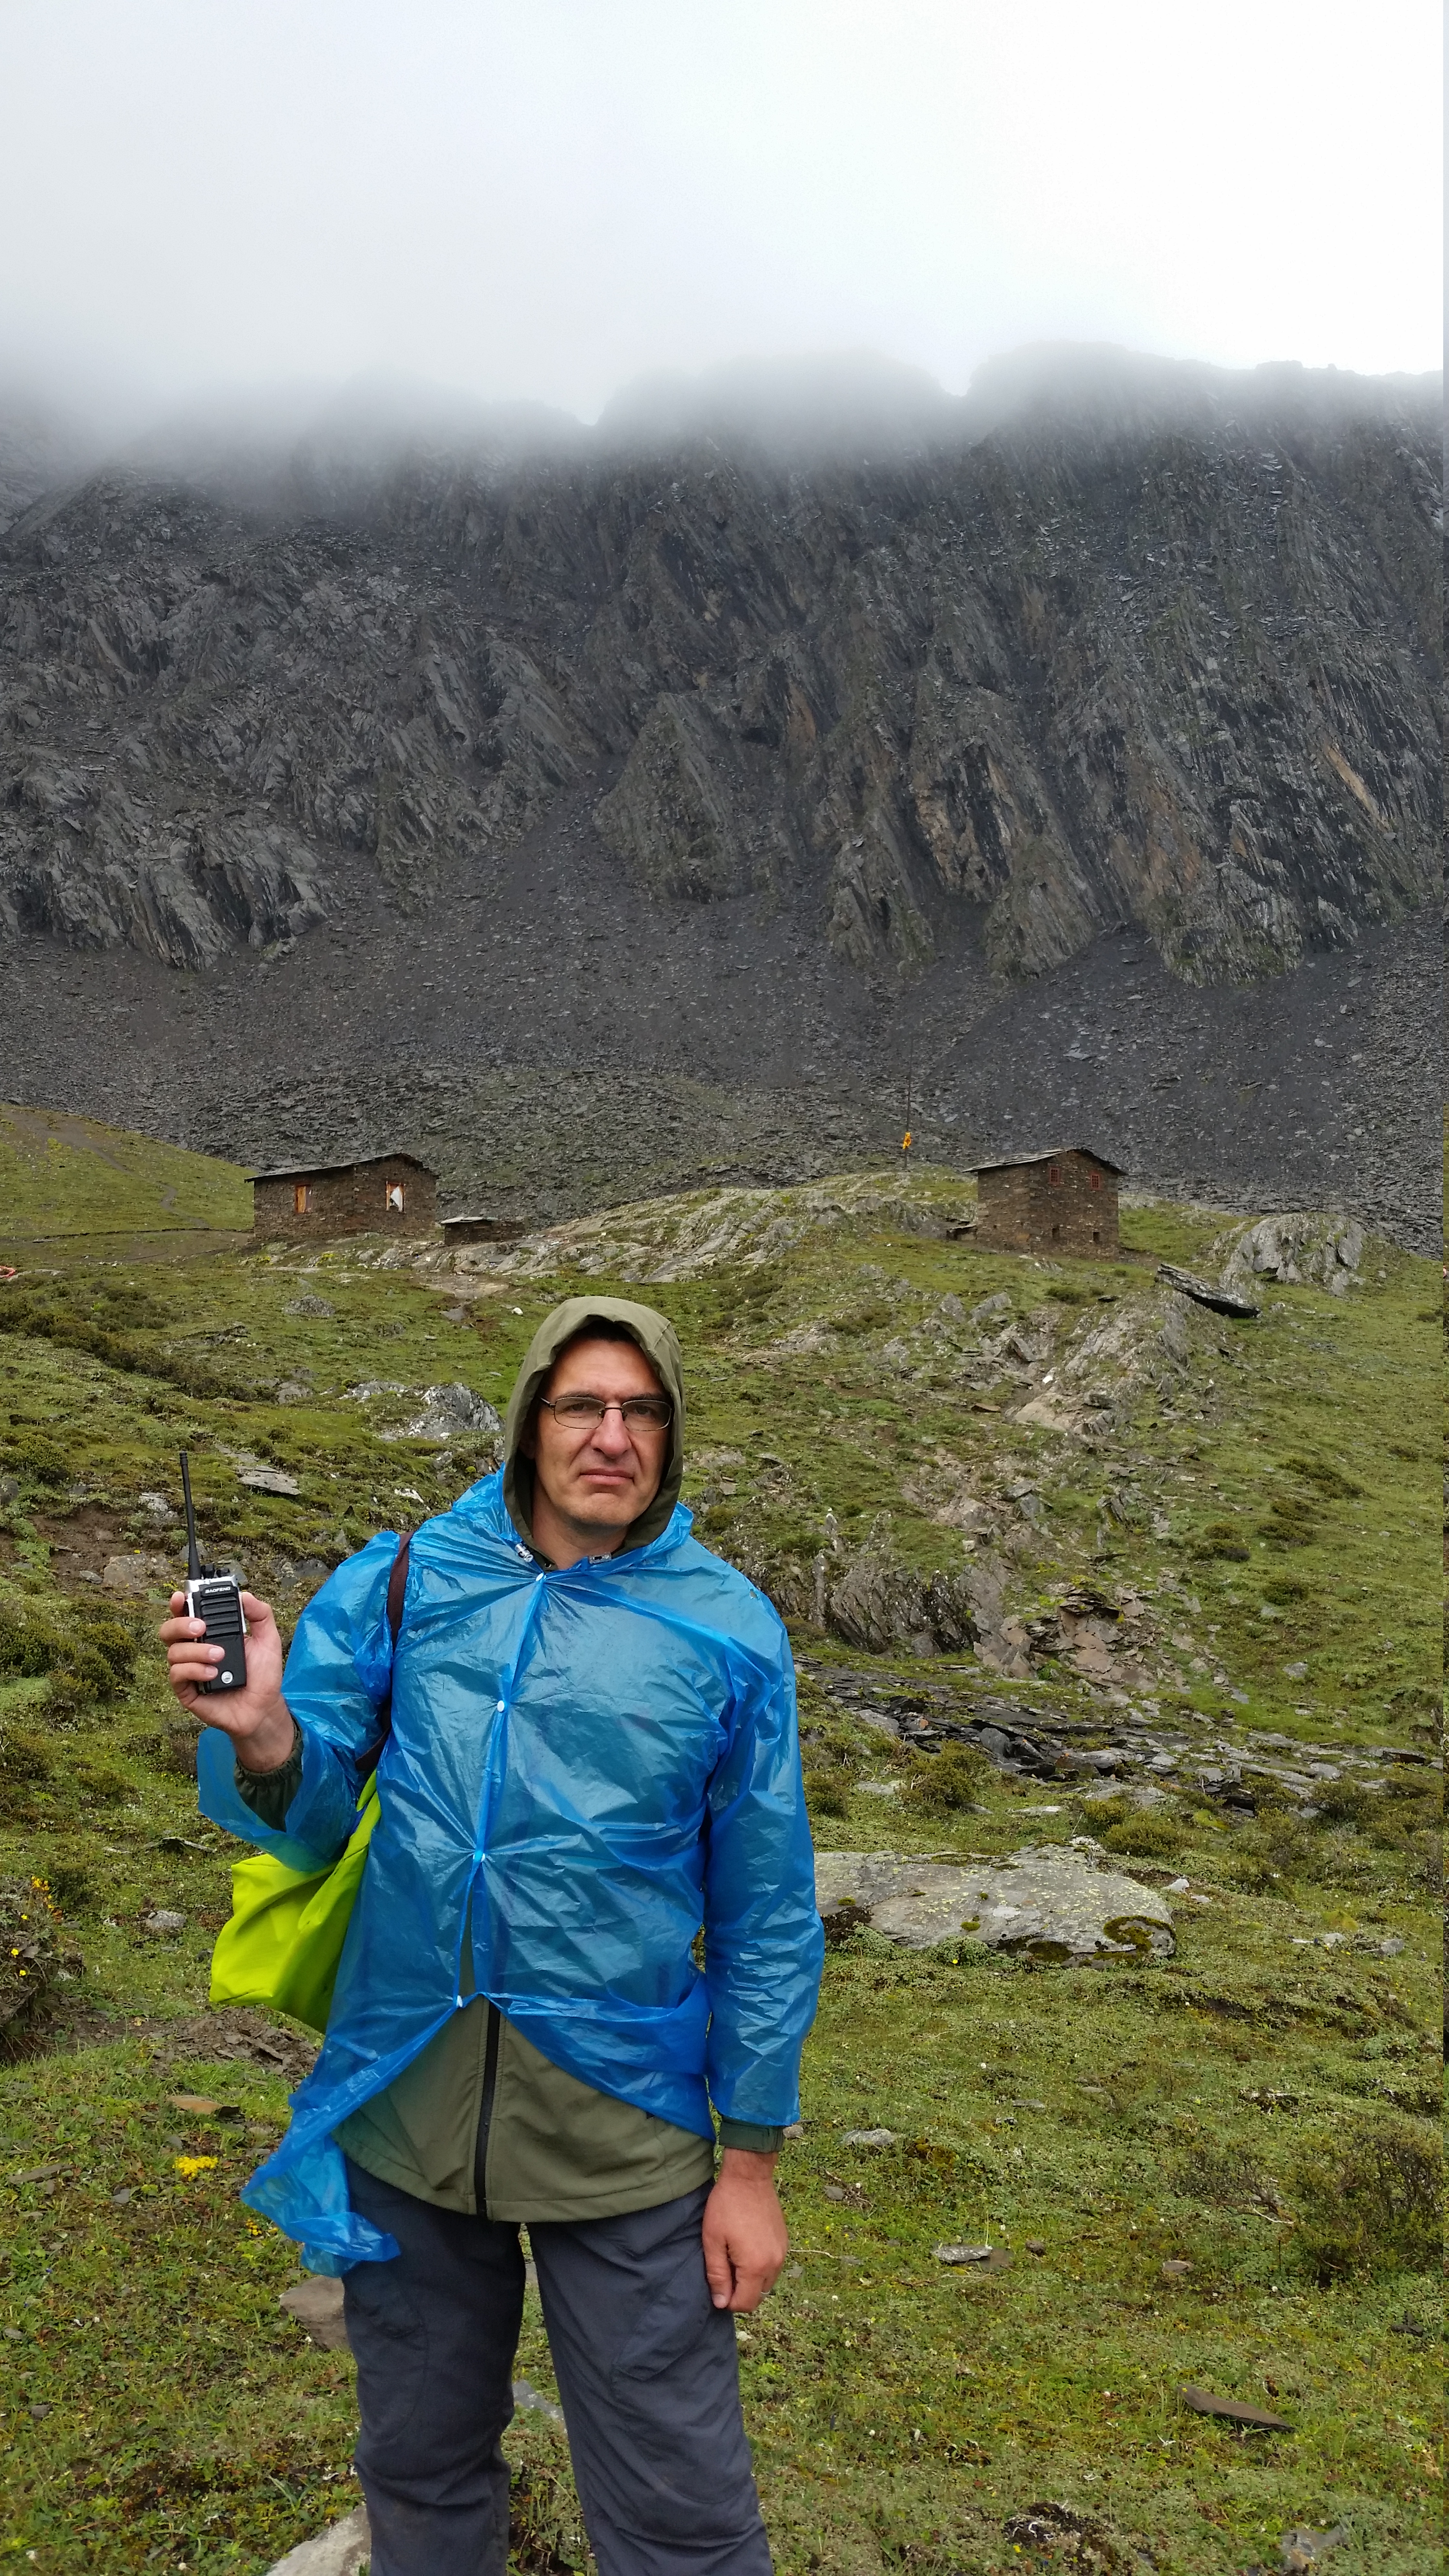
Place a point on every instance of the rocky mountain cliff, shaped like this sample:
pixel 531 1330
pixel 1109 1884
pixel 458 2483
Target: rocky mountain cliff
pixel 695 744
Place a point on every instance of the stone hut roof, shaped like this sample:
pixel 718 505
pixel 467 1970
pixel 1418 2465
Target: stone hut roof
pixel 1053 1154
pixel 351 1163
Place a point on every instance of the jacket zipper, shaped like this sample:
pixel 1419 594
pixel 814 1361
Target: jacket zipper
pixel 485 2108
pixel 495 2018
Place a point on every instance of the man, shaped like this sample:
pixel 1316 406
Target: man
pixel 592 1755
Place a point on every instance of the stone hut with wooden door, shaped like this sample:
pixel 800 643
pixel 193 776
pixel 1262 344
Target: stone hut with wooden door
pixel 381 1194
pixel 1062 1202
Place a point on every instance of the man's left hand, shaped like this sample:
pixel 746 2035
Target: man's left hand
pixel 745 2240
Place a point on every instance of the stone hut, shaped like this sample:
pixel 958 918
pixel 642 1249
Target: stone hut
pixel 481 1229
pixel 382 1194
pixel 1062 1202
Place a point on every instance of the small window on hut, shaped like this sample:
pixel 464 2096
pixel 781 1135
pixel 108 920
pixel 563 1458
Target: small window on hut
pixel 1094 1181
pixel 395 1198
pixel 302 1198
pixel 1054 1177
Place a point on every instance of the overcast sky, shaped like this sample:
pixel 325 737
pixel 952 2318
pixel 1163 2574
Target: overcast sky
pixel 549 197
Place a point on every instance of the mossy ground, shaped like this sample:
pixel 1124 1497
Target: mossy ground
pixel 63 1177
pixel 1119 2117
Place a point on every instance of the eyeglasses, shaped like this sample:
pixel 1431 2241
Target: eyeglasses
pixel 636 1412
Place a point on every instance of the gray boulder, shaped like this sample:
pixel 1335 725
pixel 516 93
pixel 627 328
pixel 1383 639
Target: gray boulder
pixel 1062 1905
pixel 342 2551
pixel 1298 1250
pixel 317 2304
pixel 452 1413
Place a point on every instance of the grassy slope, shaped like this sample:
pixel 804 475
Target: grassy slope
pixel 63 1176
pixel 901 2412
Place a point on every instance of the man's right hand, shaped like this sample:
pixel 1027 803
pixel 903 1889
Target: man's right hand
pixel 257 1719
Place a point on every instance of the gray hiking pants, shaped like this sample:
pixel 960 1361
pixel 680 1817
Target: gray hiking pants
pixel 646 2369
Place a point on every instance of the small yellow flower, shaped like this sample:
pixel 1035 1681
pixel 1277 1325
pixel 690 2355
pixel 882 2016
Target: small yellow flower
pixel 193 2165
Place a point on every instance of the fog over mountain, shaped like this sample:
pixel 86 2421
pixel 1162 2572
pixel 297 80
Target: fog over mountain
pixel 389 765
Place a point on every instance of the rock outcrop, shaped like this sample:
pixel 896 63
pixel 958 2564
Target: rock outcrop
pixel 599 812
pixel 344 2550
pixel 1058 1906
pixel 1301 1250
pixel 1168 660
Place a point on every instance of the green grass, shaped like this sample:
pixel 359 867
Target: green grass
pixel 64 1179
pixel 899 2399
pixel 901 2412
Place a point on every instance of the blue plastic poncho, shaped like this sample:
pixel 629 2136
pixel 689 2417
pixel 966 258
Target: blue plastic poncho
pixel 584 1767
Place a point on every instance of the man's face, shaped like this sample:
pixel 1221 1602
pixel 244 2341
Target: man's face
pixel 600 1477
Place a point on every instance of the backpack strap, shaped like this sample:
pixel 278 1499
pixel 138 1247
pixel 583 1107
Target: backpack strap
pixel 397 1584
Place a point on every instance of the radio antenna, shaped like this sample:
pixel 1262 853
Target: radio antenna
pixel 193 1561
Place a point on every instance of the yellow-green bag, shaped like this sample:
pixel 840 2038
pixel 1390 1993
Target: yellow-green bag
pixel 284 1941
pixel 283 1944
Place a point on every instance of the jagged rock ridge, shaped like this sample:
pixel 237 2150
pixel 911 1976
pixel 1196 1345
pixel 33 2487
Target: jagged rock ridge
pixel 1166 662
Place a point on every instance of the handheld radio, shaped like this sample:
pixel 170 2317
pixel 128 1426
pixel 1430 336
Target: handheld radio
pixel 217 1600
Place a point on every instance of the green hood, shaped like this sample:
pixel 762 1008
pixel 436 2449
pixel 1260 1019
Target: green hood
pixel 656 1338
